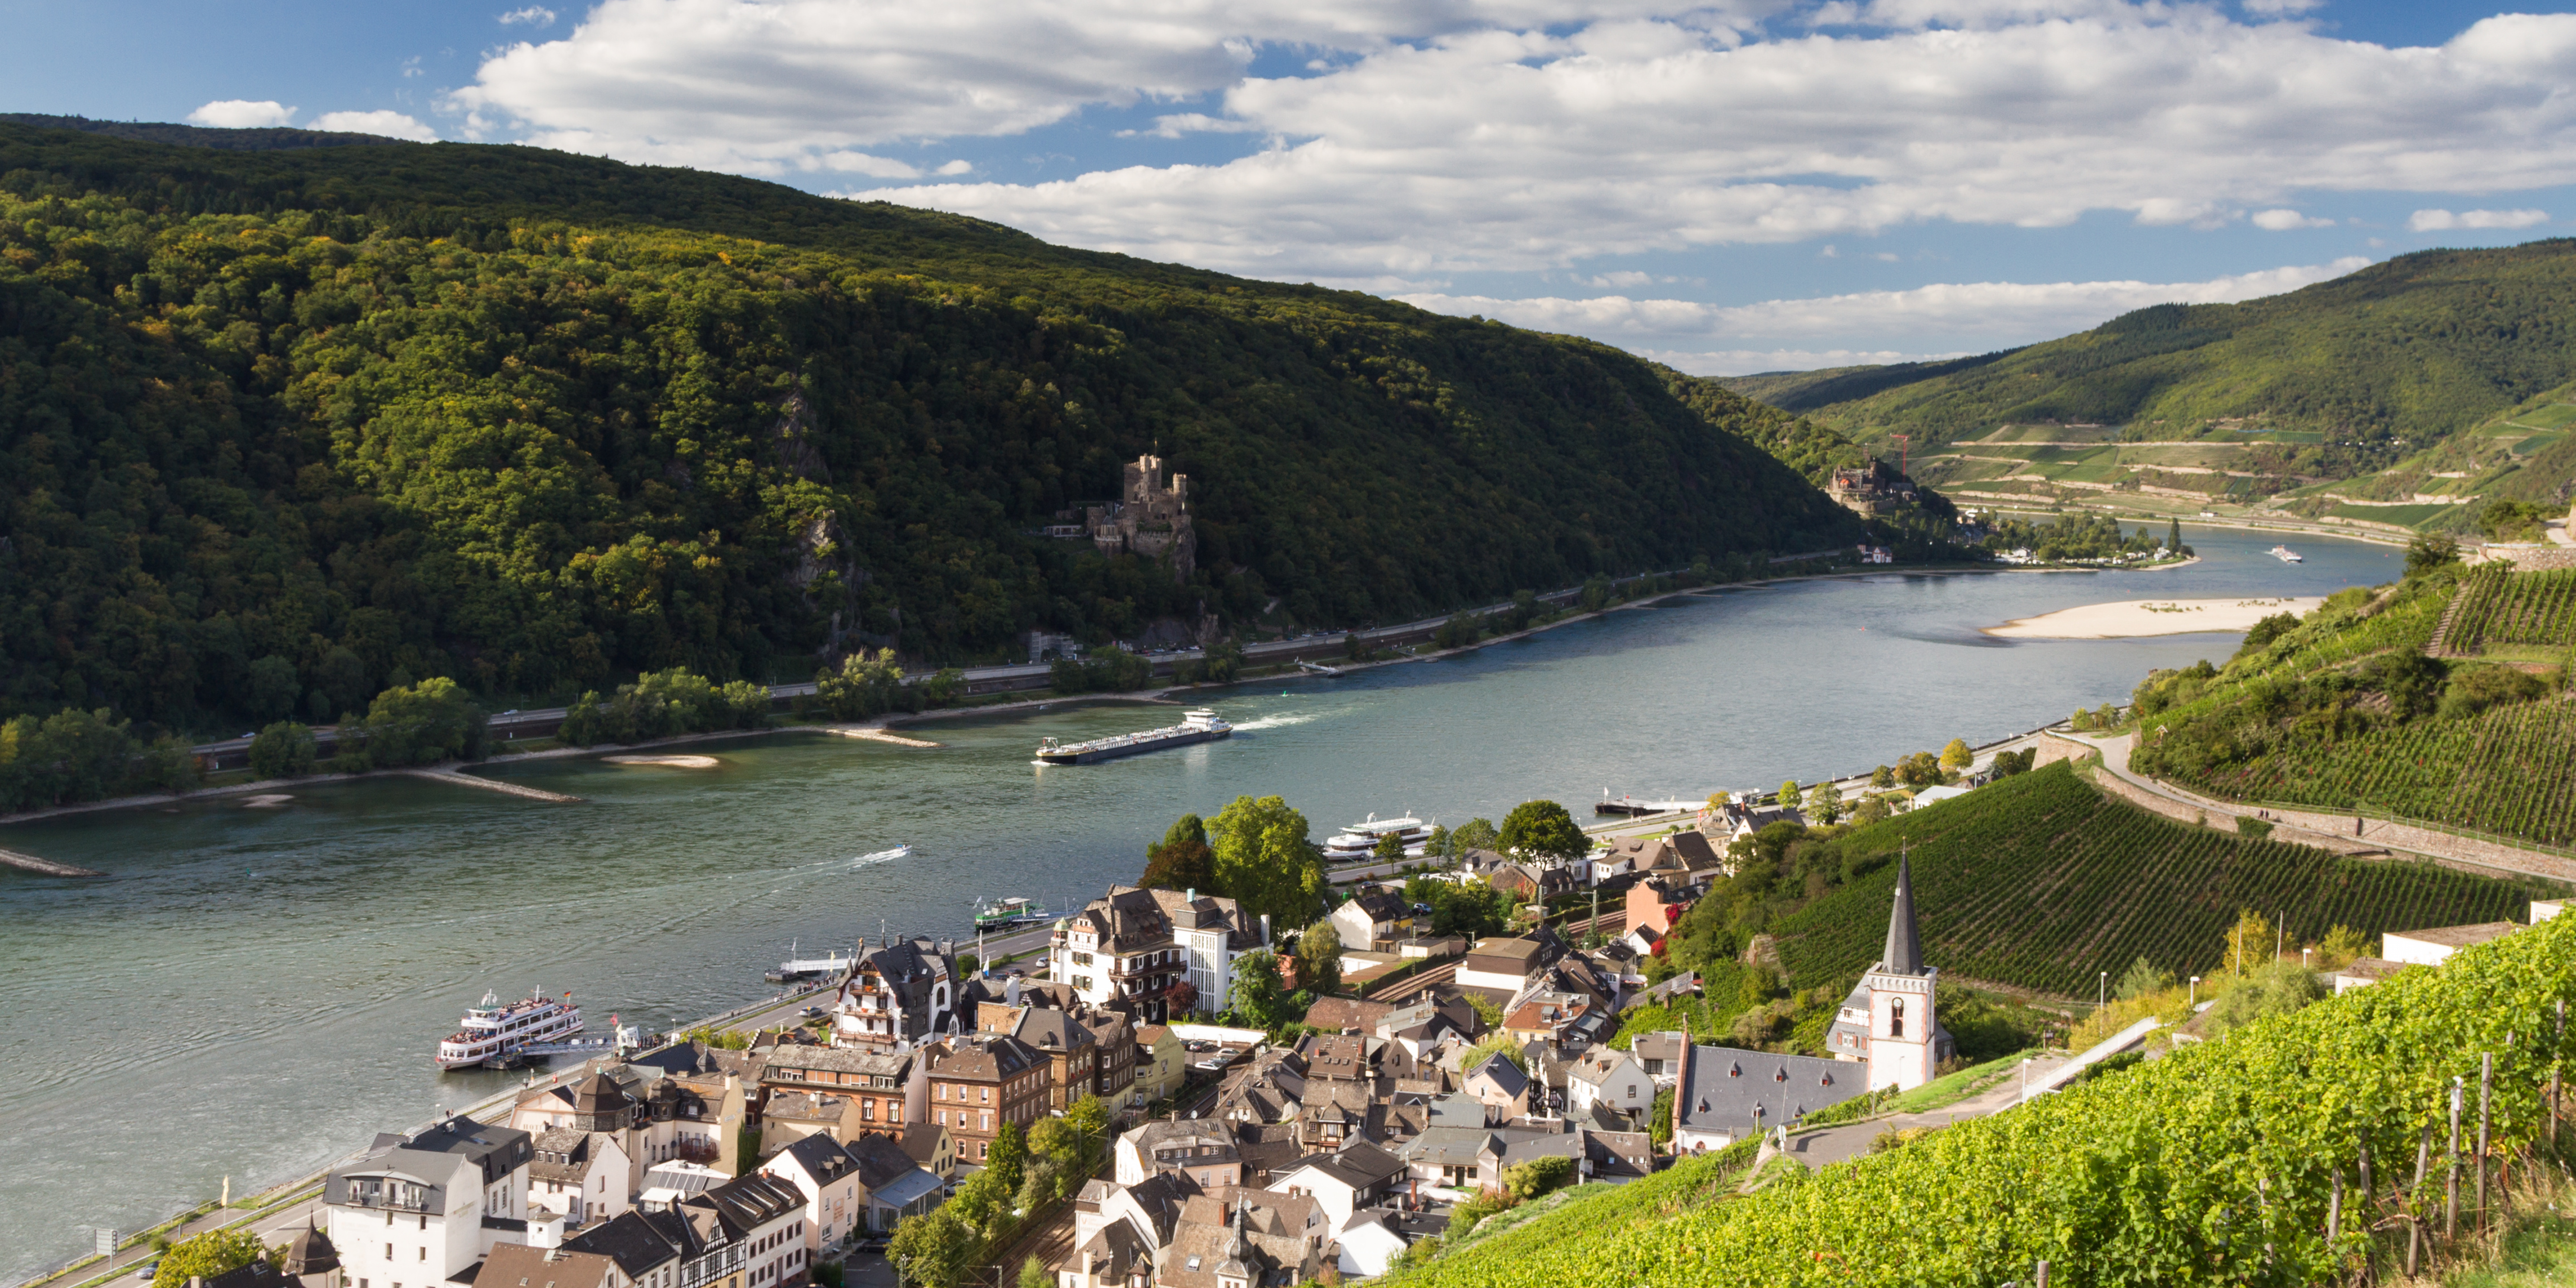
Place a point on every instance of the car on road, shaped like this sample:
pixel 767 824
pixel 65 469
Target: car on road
pixel 811 1012
pixel 147 1270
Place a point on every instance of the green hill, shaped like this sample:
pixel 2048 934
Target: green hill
pixel 535 421
pixel 2332 381
pixel 2217 1163
pixel 2041 881
pixel 2345 709
pixel 2524 454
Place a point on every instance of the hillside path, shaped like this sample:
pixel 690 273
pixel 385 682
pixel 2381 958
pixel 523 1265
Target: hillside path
pixel 1851 1140
pixel 2341 833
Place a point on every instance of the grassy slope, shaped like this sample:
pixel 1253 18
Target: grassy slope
pixel 2416 348
pixel 254 395
pixel 2041 881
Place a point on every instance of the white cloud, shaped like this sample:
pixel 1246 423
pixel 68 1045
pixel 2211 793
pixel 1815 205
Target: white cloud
pixel 2282 221
pixel 956 167
pixel 390 124
pixel 2281 8
pixel 242 114
pixel 2426 221
pixel 1440 136
pixel 1961 317
pixel 533 16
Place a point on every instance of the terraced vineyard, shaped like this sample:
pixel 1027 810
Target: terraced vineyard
pixel 2501 607
pixel 2041 881
pixel 2510 771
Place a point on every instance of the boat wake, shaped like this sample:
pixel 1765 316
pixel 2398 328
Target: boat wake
pixel 1273 722
pixel 881 856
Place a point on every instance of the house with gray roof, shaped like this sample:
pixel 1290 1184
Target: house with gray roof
pixel 451 1192
pixel 1725 1094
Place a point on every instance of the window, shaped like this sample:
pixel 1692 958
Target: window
pixel 1896 1017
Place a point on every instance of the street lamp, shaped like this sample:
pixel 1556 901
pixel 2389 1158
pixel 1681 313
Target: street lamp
pixel 2102 990
pixel 2195 992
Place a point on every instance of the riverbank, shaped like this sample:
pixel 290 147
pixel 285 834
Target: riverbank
pixel 2133 618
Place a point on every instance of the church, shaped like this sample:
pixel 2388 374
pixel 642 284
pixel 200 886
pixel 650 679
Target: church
pixel 1888 1021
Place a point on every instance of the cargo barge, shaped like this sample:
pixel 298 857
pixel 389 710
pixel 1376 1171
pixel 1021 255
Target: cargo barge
pixel 1196 726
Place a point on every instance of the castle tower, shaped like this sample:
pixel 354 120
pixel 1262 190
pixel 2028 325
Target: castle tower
pixel 1905 1042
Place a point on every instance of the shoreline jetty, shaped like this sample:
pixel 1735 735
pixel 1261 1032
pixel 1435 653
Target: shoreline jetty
pixel 46 867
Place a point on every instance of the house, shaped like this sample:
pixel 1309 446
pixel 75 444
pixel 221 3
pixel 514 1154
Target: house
pixel 791 1116
pixel 1506 965
pixel 1607 1077
pixel 1889 1022
pixel 1201 1148
pixel 1725 1095
pixel 1373 916
pixel 519 1263
pixel 581 1176
pixel 1150 1207
pixel 310 1260
pixel 888 1085
pixel 2435 946
pixel 931 1146
pixel 1150 952
pixel 1500 1086
pixel 827 1174
pixel 1674 858
pixel 895 1186
pixel 686 1102
pixel 1416 1029
pixel 1656 903
pixel 1161 1065
pixel 1346 1015
pixel 1660 1054
pixel 746 1233
pixel 424 1207
pixel 897 995
pixel 1456 1161
pixel 1533 882
pixel 1113 1257
pixel 1356 1176
pixel 979 1081
pixel 1066 1044
pixel 1238 1238
pixel 1372 1239
pixel 1114 1069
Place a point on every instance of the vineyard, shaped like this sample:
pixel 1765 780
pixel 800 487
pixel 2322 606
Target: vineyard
pixel 2510 770
pixel 2041 881
pixel 2280 1154
pixel 2498 607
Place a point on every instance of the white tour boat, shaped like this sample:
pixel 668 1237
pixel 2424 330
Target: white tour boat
pixel 2287 555
pixel 1359 840
pixel 492 1029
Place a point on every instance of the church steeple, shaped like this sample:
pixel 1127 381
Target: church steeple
pixel 1904 955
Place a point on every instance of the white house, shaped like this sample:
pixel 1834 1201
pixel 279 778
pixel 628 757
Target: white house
pixel 1356 1176
pixel 581 1176
pixel 828 1176
pixel 2435 946
pixel 1202 1149
pixel 1371 1240
pixel 1373 915
pixel 1134 949
pixel 414 1210
pixel 1609 1077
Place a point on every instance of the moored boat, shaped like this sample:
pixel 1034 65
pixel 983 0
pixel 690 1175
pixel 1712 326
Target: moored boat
pixel 492 1029
pixel 1360 840
pixel 1006 914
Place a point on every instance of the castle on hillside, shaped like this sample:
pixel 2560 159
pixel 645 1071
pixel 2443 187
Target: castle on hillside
pixel 1148 519
pixel 1869 489
pixel 1888 1021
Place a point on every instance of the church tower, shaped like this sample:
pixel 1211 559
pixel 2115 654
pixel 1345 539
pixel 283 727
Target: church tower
pixel 1903 1041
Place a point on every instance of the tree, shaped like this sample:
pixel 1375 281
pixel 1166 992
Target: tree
pixel 2430 551
pixel 930 1249
pixel 2275 988
pixel 1824 802
pixel 1441 844
pixel 1389 848
pixel 1265 862
pixel 2341 946
pixel 1661 1128
pixel 1543 829
pixel 282 750
pixel 207 1255
pixel 1034 1274
pixel 422 723
pixel 1487 1014
pixel 1009 1154
pixel 2173 535
pixel 2142 978
pixel 274 687
pixel 1182 859
pixel 1882 778
pixel 1872 809
pixel 1789 793
pixel 2249 945
pixel 1537 1178
pixel 1496 1043
pixel 1474 834
pixel 1956 756
pixel 1918 769
pixel 1259 996
pixel 1319 956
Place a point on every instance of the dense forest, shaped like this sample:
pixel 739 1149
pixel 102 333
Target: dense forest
pixel 2385 360
pixel 285 428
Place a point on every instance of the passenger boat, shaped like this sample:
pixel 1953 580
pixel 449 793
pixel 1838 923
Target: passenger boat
pixel 1359 840
pixel 493 1029
pixel 1004 914
pixel 2287 555
pixel 1196 726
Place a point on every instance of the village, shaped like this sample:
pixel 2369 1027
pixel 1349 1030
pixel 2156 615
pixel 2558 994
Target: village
pixel 1089 1119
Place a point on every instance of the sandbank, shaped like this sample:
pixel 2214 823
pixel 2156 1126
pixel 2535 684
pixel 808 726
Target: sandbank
pixel 2134 617
pixel 667 762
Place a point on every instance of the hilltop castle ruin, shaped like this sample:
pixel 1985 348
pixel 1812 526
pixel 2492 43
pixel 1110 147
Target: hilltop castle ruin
pixel 1148 519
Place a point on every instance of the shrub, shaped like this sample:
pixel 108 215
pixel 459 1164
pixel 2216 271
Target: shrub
pixel 282 750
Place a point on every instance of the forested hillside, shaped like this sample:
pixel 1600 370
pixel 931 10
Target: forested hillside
pixel 536 422
pixel 2361 370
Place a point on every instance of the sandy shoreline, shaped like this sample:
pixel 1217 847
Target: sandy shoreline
pixel 2135 617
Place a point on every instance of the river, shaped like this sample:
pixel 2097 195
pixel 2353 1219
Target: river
pixel 255 992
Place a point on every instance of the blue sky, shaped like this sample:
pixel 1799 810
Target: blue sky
pixel 1741 186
